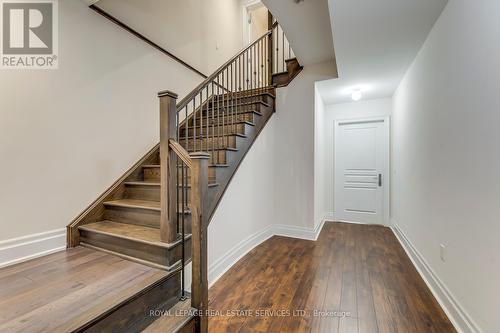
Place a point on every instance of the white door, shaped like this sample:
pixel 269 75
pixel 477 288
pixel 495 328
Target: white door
pixel 361 171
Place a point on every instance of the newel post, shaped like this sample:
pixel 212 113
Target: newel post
pixel 199 287
pixel 168 182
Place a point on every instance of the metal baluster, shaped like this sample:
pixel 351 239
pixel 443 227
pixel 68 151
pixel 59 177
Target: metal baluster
pixel 194 125
pixel 186 121
pixel 223 143
pixel 283 49
pixel 213 124
pixel 207 134
pixel 254 73
pixel 248 76
pixel 183 254
pixel 232 97
pixel 242 83
pixel 277 49
pixel 262 64
pixel 289 50
pixel 218 118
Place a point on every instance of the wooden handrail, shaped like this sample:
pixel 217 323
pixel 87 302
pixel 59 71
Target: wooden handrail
pixel 181 153
pixel 144 38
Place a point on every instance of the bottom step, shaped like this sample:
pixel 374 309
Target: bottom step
pixel 133 242
pixel 82 290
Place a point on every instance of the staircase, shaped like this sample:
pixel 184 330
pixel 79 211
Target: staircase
pixel 158 212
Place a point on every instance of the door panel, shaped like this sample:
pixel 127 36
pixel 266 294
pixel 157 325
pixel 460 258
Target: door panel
pixel 361 155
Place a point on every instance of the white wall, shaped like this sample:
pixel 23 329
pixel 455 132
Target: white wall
pixel 294 149
pixel 446 156
pixel 68 134
pixel 246 211
pixel 326 143
pixel 320 187
pixel 204 33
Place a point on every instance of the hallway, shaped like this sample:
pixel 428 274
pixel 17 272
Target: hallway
pixel 360 272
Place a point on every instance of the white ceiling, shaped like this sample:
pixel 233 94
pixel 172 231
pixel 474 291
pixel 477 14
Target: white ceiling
pixel 307 27
pixel 375 43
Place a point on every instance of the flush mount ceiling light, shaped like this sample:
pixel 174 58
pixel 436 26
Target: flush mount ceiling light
pixel 356 95
pixel 298 1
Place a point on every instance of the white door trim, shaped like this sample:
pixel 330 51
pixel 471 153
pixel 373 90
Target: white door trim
pixel 247 6
pixel 387 181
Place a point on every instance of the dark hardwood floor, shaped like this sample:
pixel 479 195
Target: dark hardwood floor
pixel 356 270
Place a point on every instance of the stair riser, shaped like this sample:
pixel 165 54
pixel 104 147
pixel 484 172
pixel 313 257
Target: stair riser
pixel 211 143
pixel 214 130
pixel 281 79
pixel 135 314
pixel 142 192
pixel 227 121
pixel 227 109
pixel 145 217
pixel 292 66
pixel 150 253
pixel 153 174
pixel 227 117
pixel 241 100
pixel 218 157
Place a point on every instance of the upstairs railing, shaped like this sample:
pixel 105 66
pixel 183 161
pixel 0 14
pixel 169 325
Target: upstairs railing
pixel 191 134
pixel 282 50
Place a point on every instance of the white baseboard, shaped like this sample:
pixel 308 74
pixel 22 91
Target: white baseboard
pixel 16 250
pixel 224 263
pixel 330 216
pixel 298 232
pixel 455 312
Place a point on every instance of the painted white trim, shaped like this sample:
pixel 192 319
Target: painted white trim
pixel 298 232
pixel 455 312
pixel 231 257
pixel 247 6
pixel 330 216
pixel 225 262
pixel 16 250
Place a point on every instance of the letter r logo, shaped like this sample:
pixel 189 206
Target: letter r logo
pixel 27 28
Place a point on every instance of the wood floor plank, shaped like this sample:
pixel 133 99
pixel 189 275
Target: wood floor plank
pixel 359 272
pixel 67 290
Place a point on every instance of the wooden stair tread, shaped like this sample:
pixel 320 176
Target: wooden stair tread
pixel 215 148
pixel 236 105
pixel 134 232
pixel 236 122
pixel 204 136
pixel 209 185
pixel 151 183
pixel 143 183
pixel 180 314
pixel 134 203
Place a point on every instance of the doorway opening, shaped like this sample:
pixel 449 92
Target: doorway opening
pixel 255 20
